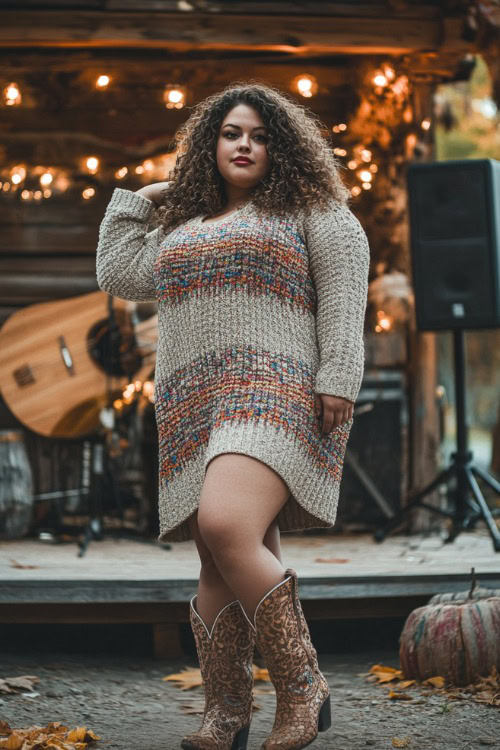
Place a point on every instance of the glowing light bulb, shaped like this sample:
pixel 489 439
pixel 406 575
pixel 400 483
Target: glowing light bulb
pixel 174 96
pixel 306 85
pixel 366 155
pixel 365 175
pixel 46 179
pixel 379 78
pixel 102 82
pixel 92 164
pixel 425 124
pixel 12 95
pixel 121 173
pixel 352 164
pixel 88 193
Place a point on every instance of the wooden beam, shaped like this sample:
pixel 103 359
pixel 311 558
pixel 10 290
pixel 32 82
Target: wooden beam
pixel 195 31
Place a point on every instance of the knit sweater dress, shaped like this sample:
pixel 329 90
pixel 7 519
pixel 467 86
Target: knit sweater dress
pixel 256 314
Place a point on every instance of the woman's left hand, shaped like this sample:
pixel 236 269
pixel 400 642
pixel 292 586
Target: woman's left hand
pixel 335 410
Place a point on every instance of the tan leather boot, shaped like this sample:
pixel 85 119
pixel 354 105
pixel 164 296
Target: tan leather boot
pixel 226 657
pixel 302 692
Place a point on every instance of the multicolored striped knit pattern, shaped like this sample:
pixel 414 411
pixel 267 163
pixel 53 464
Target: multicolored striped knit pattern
pixel 240 352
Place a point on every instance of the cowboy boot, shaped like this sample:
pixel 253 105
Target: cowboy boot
pixel 302 692
pixel 226 658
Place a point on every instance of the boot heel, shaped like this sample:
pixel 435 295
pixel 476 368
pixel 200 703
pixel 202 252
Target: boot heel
pixel 325 718
pixel 241 739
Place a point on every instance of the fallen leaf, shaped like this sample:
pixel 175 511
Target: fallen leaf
pixel 11 684
pixel 15 564
pixel 397 696
pixel 190 678
pixel 401 742
pixel 260 674
pixel 437 682
pixel 54 736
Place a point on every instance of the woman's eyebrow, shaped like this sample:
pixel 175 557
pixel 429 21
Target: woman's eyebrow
pixel 229 124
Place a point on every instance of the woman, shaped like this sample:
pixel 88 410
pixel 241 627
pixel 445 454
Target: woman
pixel 260 271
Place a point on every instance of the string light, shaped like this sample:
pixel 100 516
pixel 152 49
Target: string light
pixel 12 95
pixel 306 85
pixel 88 193
pixel 366 186
pixel 103 82
pixel 356 190
pixel 384 322
pixel 365 175
pixel 92 164
pixel 121 173
pixel 425 124
pixel 46 179
pixel 174 96
pixel 380 79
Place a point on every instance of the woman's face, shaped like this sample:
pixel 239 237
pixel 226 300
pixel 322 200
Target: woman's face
pixel 242 136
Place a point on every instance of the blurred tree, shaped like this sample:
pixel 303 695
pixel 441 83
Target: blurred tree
pixel 467 118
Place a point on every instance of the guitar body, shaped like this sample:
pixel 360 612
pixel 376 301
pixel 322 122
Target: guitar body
pixel 59 358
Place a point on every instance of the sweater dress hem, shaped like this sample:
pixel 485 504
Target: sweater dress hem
pixel 305 507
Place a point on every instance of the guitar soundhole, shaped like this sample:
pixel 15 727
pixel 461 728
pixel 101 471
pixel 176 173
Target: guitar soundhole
pixel 114 349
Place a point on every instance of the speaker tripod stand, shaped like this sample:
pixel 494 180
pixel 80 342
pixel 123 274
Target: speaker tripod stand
pixel 469 502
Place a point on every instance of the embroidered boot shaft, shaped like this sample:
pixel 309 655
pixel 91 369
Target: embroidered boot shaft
pixel 226 657
pixel 302 692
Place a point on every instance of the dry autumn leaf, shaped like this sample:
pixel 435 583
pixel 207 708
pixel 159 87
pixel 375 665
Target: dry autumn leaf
pixel 485 690
pixel 15 564
pixel 385 674
pixel 190 678
pixel 437 682
pixel 54 736
pixel 395 695
pixel 260 674
pixel 13 684
pixel 401 742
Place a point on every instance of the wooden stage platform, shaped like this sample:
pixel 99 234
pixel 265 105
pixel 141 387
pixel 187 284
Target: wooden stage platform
pixel 340 576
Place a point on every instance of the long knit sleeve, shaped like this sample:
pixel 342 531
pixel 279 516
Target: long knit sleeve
pixel 126 251
pixel 339 258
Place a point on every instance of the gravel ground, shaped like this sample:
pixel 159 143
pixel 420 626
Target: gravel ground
pixel 124 700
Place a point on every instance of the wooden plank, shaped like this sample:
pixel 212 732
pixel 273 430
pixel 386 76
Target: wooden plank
pixel 355 587
pixel 429 9
pixel 375 35
pixel 304 8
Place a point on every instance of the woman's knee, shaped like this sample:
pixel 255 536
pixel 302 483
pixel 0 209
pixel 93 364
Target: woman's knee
pixel 220 535
pixel 208 564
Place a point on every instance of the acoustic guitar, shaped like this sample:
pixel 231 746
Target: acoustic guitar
pixel 61 361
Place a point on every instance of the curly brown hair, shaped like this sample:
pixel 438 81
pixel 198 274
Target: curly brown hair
pixel 303 171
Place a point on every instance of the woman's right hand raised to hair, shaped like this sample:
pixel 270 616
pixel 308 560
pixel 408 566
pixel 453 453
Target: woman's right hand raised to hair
pixel 154 192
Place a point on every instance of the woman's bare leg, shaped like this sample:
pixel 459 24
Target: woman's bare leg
pixel 213 592
pixel 240 499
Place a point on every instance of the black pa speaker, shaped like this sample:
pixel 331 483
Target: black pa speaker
pixel 455 243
